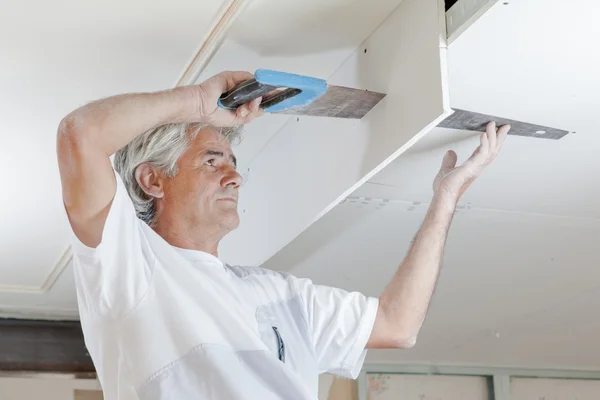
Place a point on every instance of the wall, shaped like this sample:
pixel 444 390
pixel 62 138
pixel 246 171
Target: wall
pixel 381 386
pixel 427 387
pixel 54 388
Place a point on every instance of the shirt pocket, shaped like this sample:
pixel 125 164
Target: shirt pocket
pixel 271 333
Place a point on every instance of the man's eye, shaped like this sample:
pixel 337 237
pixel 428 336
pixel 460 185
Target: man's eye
pixel 210 162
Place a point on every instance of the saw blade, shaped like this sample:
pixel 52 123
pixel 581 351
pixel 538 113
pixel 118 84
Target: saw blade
pixel 474 121
pixel 339 102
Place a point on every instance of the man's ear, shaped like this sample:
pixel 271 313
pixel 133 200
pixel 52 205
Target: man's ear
pixel 150 180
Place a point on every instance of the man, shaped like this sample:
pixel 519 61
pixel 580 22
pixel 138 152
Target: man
pixel 163 317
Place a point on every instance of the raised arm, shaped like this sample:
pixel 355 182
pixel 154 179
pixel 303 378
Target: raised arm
pixel 405 301
pixel 88 136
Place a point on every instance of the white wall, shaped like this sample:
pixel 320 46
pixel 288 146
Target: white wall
pixel 43 388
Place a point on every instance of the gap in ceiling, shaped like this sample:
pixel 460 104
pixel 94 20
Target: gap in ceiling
pixel 450 3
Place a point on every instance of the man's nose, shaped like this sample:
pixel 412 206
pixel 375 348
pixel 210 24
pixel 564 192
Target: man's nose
pixel 231 178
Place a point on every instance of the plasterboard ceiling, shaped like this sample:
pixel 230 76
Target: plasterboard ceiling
pixel 519 281
pixel 57 56
pixel 401 55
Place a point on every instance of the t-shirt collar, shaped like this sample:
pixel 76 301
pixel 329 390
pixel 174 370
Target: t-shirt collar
pixel 197 255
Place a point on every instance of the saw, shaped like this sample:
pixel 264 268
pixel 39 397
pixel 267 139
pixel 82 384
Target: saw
pixel 285 93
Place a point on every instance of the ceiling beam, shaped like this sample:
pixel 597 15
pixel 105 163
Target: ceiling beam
pixel 43 346
pixel 213 41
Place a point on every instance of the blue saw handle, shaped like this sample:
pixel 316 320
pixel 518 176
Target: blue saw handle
pixel 298 91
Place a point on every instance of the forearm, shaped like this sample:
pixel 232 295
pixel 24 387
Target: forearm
pixel 109 124
pixel 406 298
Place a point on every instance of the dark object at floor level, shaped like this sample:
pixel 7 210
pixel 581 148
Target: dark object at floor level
pixel 43 346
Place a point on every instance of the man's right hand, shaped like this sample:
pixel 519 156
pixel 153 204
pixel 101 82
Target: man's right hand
pixel 208 93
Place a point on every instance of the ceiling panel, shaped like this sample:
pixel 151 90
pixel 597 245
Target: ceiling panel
pixel 529 175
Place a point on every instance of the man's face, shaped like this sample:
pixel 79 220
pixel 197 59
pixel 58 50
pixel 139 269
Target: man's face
pixel 205 189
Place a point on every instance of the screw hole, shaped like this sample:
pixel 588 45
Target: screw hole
pixel 298 119
pixel 365 51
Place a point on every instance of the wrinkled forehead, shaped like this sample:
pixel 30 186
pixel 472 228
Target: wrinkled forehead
pixel 209 140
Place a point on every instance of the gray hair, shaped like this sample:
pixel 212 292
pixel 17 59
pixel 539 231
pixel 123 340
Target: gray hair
pixel 161 147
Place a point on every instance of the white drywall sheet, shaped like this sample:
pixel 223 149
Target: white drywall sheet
pixel 304 166
pixel 554 389
pixel 426 387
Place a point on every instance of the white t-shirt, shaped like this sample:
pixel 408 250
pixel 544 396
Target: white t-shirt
pixel 167 323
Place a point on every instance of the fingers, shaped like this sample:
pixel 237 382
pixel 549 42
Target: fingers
pixel 248 112
pixel 449 160
pixel 496 136
pixel 502 133
pixel 245 109
pixel 227 80
pixel 484 143
pixel 491 134
pixel 254 105
pixel 491 142
pixel 250 117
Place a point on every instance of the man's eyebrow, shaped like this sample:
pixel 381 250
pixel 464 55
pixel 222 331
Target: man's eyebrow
pixel 221 154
